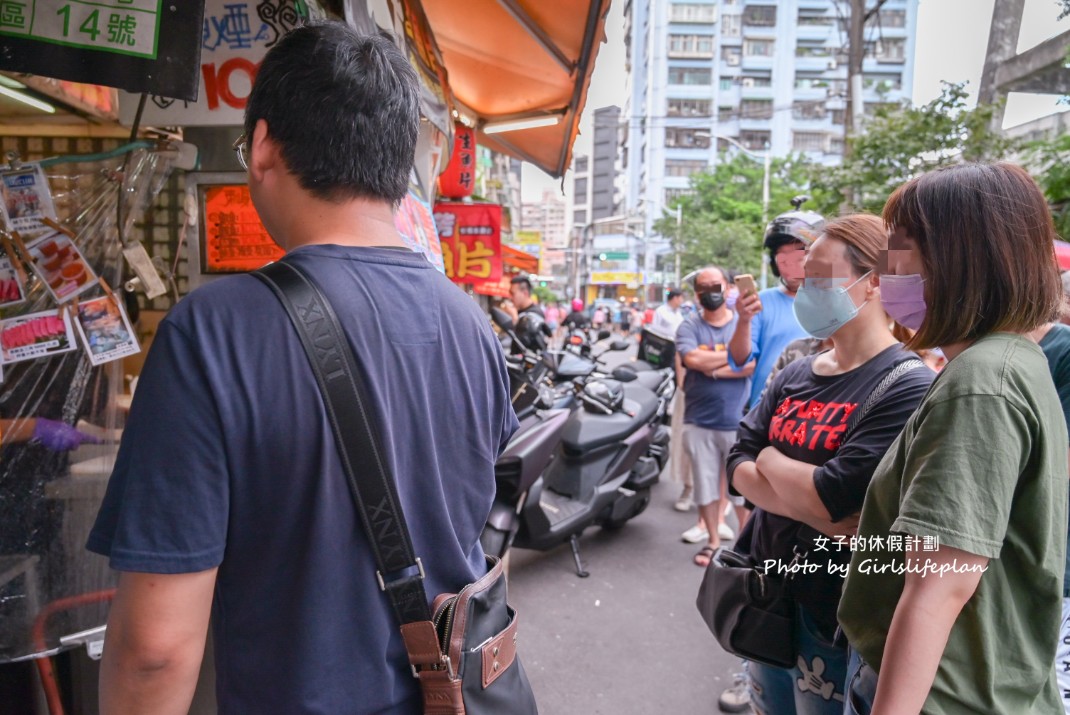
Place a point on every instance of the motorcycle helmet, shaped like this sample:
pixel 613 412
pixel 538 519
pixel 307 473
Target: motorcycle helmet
pixel 603 396
pixel 577 305
pixel 797 225
pixel 532 330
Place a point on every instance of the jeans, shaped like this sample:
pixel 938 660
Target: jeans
pixel 861 686
pixel 813 687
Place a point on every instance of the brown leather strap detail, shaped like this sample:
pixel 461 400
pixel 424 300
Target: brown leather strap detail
pixel 442 696
pixel 421 643
pixel 460 615
pixel 499 653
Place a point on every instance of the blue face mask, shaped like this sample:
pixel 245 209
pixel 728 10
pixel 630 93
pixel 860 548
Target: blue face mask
pixel 822 309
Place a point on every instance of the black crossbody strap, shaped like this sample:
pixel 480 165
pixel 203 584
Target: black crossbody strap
pixel 348 409
pixel 879 391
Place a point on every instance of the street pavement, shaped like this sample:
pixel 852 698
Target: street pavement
pixel 628 640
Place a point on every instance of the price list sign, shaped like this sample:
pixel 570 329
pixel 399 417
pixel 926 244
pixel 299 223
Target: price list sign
pixel 129 27
pixel 234 238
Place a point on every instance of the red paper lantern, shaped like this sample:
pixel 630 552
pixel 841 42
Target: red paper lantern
pixel 459 178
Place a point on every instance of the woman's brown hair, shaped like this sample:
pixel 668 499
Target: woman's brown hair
pixel 865 237
pixel 986 240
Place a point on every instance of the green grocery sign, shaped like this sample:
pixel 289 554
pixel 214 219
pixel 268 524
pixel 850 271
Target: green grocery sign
pixel 126 27
pixel 614 256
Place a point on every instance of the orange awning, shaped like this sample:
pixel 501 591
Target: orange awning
pixel 521 261
pixel 516 60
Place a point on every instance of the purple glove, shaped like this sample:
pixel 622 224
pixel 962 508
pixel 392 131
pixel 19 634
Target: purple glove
pixel 59 436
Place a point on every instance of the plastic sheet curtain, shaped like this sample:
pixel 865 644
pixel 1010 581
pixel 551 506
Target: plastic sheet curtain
pixel 50 586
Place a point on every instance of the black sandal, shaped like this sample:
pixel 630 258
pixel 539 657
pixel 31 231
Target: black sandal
pixel 704 556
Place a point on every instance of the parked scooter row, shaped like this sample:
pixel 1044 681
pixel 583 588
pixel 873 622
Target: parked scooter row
pixel 591 444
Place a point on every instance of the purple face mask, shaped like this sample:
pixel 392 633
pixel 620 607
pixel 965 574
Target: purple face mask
pixel 903 298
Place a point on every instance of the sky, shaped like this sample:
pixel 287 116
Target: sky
pixel 938 57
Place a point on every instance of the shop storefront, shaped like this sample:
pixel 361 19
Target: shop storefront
pixel 104 229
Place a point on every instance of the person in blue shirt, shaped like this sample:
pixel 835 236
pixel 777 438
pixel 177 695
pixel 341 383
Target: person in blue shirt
pixel 766 326
pixel 766 320
pixel 715 396
pixel 228 496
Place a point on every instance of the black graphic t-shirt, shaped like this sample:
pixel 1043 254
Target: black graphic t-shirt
pixel 804 416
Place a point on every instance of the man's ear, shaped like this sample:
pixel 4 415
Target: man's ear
pixel 263 151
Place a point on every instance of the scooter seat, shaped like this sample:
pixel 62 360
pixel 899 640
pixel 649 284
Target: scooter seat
pixel 651 380
pixel 587 430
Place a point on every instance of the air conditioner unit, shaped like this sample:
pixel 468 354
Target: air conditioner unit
pixel 833 64
pixel 747 82
pixel 733 60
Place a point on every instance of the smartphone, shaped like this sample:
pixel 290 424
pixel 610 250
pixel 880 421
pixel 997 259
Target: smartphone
pixel 745 283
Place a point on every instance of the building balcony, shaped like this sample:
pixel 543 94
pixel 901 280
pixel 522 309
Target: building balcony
pixel 815 33
pixel 754 124
pixel 809 94
pixel 811 124
pixel 819 63
pixel 754 93
pixel 757 62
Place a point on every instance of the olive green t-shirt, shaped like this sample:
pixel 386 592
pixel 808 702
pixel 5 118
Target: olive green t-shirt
pixel 981 466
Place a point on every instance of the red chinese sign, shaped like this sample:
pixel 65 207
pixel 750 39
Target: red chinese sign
pixel 471 241
pixel 234 238
pixel 459 178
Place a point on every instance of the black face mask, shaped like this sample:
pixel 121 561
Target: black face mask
pixel 711 301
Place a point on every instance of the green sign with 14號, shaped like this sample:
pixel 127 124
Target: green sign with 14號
pixel 128 27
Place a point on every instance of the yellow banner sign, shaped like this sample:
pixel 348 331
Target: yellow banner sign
pixel 614 278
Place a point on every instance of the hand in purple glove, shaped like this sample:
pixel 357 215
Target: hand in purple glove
pixel 59 436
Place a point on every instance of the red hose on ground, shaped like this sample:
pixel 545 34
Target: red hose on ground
pixel 44 665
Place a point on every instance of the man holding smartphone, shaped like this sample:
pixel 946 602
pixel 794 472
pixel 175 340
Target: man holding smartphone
pixel 766 320
pixel 765 327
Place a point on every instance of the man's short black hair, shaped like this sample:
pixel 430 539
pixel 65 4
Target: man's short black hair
pixel 674 294
pixel 522 281
pixel 344 110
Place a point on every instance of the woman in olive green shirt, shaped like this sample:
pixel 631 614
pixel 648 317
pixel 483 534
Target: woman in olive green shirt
pixel 953 600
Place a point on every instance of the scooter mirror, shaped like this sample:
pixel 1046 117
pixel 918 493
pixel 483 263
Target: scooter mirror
pixel 501 319
pixel 603 334
pixel 546 399
pixel 619 345
pixel 623 374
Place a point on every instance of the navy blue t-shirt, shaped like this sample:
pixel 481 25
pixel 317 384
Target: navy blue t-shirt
pixel 228 461
pixel 711 403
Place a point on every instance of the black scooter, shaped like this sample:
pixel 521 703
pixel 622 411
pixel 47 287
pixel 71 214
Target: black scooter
pixel 611 451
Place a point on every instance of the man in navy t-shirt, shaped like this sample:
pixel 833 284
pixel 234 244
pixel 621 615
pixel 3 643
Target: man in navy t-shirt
pixel 228 496
pixel 715 397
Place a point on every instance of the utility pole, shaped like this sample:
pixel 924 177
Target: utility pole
pixel 679 229
pixel 856 55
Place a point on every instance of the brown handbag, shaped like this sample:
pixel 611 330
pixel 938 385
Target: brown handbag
pixel 462 648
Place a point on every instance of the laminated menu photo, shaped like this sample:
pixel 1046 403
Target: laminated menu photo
pixel 106 330
pixel 12 291
pixel 26 200
pixel 62 267
pixel 36 335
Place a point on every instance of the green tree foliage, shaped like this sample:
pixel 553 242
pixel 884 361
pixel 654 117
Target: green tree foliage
pixel 1049 162
pixel 722 218
pixel 900 142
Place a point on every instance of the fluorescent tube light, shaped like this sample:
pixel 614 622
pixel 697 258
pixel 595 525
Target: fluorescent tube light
pixel 513 125
pixel 27 99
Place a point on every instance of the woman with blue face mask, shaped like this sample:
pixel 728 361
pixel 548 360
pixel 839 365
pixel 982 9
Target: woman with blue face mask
pixel 958 610
pixel 808 480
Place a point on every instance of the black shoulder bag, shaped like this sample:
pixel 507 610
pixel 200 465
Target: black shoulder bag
pixel 462 648
pixel 752 613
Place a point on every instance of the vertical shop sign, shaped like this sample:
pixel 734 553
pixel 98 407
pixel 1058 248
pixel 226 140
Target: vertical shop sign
pixel 471 241
pixel 137 45
pixel 235 36
pixel 459 178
